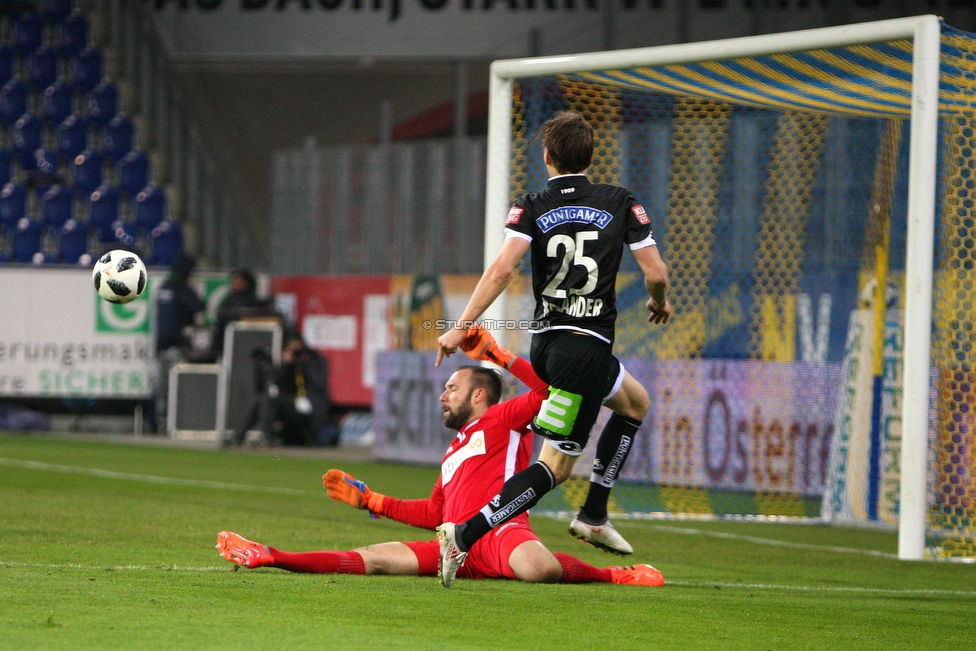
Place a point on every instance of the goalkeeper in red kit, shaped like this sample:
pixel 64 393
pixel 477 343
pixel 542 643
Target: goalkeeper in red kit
pixel 493 443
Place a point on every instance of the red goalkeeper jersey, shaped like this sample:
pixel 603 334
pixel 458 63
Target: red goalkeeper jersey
pixel 483 455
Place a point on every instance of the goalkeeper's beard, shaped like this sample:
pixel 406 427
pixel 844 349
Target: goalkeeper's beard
pixel 458 418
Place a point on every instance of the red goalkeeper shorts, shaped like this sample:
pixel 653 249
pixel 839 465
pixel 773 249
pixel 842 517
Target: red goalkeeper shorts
pixel 488 559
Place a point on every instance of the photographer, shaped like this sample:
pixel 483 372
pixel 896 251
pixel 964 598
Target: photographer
pixel 241 303
pixel 292 402
pixel 178 309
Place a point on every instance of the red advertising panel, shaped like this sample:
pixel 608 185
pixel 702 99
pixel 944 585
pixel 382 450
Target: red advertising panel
pixel 347 319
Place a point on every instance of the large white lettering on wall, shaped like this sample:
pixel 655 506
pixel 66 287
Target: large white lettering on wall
pixel 251 30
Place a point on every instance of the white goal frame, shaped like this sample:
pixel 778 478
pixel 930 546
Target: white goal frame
pixel 925 32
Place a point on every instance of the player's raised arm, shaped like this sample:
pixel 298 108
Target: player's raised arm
pixel 481 346
pixel 492 283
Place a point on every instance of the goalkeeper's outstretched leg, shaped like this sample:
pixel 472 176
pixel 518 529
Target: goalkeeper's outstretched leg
pixel 528 561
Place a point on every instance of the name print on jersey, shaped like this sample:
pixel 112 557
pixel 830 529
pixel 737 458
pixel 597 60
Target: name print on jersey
pixel 573 215
pixel 574 306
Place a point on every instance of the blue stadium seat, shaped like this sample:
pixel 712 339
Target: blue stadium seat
pixel 43 164
pixel 13 101
pixel 58 206
pixel 55 11
pixel 104 210
pixel 13 204
pixel 167 243
pixel 73 33
pixel 5 159
pixel 56 102
pixel 6 64
pixel 72 138
pixel 134 172
pixel 88 68
pixel 150 208
pixel 124 234
pixel 42 67
pixel 87 171
pixel 26 240
pixel 73 242
pixel 28 32
pixel 117 138
pixel 103 102
pixel 26 137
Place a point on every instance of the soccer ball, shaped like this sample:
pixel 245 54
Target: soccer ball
pixel 119 276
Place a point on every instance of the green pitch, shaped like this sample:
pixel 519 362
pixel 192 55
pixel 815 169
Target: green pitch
pixel 112 546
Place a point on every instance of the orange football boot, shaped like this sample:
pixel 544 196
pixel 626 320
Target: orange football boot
pixel 239 550
pixel 642 574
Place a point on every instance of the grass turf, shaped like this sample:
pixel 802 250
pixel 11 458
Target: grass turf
pixel 112 546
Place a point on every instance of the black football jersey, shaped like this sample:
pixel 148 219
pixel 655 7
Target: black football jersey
pixel 578 230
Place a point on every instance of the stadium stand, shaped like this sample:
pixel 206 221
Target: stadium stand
pixel 167 243
pixel 68 159
pixel 72 137
pixel 56 102
pixel 28 32
pixel 102 102
pixel 26 137
pixel 103 206
pixel 87 68
pixel 73 34
pixel 73 242
pixel 5 160
pixel 117 138
pixel 55 11
pixel 6 64
pixel 43 166
pixel 87 171
pixel 42 67
pixel 13 204
pixel 58 203
pixel 150 208
pixel 134 172
pixel 26 240
pixel 13 101
pixel 124 234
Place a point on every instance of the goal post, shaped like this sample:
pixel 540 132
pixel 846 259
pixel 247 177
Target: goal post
pixel 918 286
pixel 774 96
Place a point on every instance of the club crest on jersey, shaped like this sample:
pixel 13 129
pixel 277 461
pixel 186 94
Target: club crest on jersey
pixel 641 214
pixel 514 215
pixel 573 215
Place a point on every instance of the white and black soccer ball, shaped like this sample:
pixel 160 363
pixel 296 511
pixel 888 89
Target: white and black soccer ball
pixel 119 276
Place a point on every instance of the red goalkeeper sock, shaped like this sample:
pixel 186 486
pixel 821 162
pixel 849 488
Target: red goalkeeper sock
pixel 319 562
pixel 576 571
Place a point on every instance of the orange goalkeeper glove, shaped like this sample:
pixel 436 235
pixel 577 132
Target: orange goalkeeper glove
pixel 346 488
pixel 479 345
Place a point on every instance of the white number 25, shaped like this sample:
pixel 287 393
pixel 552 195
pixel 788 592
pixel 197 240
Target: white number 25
pixel 572 255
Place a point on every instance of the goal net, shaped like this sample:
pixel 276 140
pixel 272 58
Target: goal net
pixel 813 196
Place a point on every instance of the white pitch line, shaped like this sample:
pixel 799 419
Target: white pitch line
pixel 775 543
pixel 682 584
pixel 153 479
pixel 752 539
pixel 818 588
pixel 116 568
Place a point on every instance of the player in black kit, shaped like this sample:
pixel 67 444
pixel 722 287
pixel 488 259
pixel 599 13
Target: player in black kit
pixel 576 231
